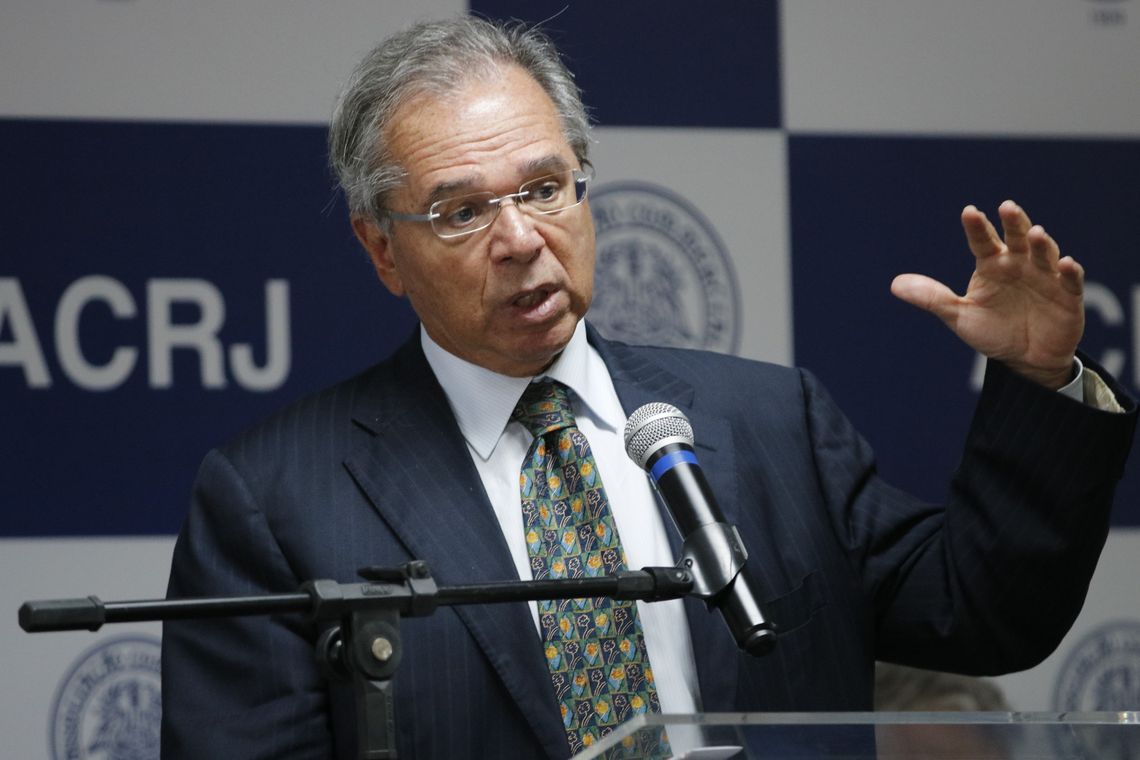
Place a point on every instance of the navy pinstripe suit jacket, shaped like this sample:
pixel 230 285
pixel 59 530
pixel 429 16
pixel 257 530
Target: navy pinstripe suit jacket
pixel 374 471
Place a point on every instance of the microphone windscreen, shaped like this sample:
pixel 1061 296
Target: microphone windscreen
pixel 652 426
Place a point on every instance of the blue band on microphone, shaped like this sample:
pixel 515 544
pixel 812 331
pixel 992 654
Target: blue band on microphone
pixel 671 460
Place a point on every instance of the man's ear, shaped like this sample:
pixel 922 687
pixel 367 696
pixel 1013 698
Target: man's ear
pixel 379 246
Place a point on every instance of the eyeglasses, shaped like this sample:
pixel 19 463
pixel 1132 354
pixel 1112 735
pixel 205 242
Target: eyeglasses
pixel 455 217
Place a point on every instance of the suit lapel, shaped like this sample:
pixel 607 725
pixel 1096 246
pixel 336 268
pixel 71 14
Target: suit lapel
pixel 418 475
pixel 639 381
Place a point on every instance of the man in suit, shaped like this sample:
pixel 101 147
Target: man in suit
pixel 462 148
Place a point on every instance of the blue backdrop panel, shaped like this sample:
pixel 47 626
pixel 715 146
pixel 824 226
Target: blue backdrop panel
pixel 643 63
pixel 231 205
pixel 865 209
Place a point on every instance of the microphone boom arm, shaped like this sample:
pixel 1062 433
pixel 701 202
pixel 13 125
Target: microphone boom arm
pixel 361 638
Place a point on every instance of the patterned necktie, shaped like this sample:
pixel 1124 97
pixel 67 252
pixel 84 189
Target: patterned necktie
pixel 594 647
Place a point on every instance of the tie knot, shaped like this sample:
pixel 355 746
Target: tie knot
pixel 544 407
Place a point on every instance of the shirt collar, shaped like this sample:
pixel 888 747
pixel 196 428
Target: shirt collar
pixel 483 401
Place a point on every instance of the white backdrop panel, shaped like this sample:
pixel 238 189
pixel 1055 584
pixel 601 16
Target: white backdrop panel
pixel 1016 67
pixel 737 179
pixel 253 60
pixel 34 665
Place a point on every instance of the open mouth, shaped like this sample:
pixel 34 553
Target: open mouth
pixel 540 305
pixel 531 299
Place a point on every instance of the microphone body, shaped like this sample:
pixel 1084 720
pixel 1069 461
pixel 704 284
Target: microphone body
pixel 659 438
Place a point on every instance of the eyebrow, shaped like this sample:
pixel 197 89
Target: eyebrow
pixel 448 189
pixel 537 167
pixel 545 165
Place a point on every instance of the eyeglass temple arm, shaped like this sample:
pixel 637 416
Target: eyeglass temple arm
pixel 412 217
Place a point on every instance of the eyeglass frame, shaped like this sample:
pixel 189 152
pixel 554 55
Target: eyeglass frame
pixel 582 178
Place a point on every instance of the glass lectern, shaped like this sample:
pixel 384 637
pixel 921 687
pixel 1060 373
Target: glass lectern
pixel 891 736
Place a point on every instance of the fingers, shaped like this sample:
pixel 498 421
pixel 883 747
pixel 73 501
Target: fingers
pixel 1043 248
pixel 981 236
pixel 1072 275
pixel 1021 236
pixel 1015 225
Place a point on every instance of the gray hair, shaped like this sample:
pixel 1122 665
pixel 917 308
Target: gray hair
pixel 435 57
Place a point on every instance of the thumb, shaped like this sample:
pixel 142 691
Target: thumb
pixel 927 294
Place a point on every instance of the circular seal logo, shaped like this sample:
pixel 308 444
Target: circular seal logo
pixel 109 705
pixel 1102 674
pixel 664 276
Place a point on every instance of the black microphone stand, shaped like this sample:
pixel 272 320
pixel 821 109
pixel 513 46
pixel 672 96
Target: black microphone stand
pixel 363 644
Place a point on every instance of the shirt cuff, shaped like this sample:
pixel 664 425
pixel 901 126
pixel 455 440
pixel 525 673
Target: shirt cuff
pixel 1088 388
pixel 1076 387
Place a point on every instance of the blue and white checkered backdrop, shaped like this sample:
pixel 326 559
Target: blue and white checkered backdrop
pixel 175 261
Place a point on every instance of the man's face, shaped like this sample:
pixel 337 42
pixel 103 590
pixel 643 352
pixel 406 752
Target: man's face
pixel 507 297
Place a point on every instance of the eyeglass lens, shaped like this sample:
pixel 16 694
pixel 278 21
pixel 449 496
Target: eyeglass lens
pixel 470 213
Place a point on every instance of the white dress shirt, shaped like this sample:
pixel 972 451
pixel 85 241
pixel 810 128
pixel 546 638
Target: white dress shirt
pixel 483 400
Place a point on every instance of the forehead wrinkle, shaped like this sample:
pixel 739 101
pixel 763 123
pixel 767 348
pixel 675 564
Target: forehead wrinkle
pixel 430 151
pixel 426 146
pixel 463 149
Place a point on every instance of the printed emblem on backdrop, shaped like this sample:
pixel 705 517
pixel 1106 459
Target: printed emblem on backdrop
pixel 664 277
pixel 109 705
pixel 1101 674
pixel 1108 13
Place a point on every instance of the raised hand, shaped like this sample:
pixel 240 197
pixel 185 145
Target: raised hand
pixel 1023 305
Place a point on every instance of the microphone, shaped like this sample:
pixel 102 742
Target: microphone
pixel 659 438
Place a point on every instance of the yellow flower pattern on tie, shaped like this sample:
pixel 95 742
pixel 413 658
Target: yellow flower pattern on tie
pixel 594 647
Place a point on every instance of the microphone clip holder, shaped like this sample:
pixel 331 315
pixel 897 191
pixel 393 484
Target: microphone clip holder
pixel 714 555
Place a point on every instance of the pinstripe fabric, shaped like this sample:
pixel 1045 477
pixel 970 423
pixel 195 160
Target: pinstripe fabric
pixel 849 568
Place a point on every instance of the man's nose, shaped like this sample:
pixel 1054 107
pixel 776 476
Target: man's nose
pixel 515 233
